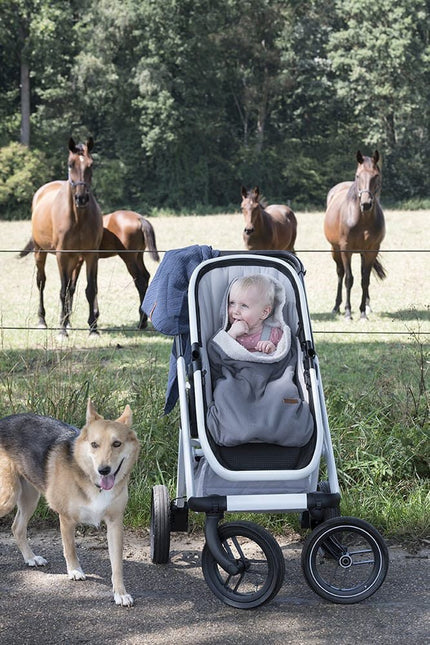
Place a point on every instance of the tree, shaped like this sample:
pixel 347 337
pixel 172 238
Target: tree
pixel 380 56
pixel 14 35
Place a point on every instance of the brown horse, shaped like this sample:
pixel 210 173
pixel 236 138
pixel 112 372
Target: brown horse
pixel 354 223
pixel 270 227
pixel 128 234
pixel 66 220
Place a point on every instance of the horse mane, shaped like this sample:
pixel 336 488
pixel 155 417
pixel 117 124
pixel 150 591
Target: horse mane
pixel 261 198
pixel 263 202
pixel 352 193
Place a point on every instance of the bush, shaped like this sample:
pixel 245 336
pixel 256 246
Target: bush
pixel 22 171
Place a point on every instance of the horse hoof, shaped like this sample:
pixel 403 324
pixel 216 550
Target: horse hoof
pixel 42 325
pixel 94 333
pixel 62 335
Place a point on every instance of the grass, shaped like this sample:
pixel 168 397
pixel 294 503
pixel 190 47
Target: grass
pixel 375 374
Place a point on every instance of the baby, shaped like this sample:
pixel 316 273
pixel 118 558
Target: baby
pixel 252 365
pixel 250 302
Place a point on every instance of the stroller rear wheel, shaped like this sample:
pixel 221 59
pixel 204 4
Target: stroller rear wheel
pixel 345 560
pixel 160 524
pixel 261 563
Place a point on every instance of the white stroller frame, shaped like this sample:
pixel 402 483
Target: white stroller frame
pixel 279 490
pixel 266 502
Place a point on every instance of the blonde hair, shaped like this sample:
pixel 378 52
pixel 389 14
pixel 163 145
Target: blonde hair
pixel 264 284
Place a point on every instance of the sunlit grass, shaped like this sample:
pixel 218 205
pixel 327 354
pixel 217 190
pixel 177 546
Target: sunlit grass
pixel 375 373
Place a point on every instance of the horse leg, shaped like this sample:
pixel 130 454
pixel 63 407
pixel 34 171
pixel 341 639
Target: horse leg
pixel 140 274
pixel 340 274
pixel 366 269
pixel 40 257
pixel 91 262
pixel 65 277
pixel 349 281
pixel 72 287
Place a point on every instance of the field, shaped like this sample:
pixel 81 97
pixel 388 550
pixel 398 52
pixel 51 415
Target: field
pixel 374 372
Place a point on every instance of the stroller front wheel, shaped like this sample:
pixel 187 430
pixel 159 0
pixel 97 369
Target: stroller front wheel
pixel 260 561
pixel 345 560
pixel 160 525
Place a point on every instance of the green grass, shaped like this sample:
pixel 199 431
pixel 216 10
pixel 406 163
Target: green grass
pixel 375 374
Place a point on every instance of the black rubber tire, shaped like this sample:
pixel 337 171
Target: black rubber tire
pixel 160 525
pixel 345 560
pixel 264 569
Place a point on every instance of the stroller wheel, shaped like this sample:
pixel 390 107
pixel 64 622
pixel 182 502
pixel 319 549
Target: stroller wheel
pixel 160 525
pixel 262 566
pixel 345 560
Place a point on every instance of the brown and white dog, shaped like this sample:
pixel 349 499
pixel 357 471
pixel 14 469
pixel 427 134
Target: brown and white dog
pixel 82 474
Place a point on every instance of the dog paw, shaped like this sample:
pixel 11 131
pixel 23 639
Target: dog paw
pixel 76 574
pixel 125 600
pixel 36 561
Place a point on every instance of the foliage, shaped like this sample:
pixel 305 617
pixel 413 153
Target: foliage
pixel 22 171
pixel 376 78
pixel 189 99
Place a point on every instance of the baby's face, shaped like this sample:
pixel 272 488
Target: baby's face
pixel 247 305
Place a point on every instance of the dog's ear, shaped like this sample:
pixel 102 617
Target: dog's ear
pixel 126 417
pixel 92 415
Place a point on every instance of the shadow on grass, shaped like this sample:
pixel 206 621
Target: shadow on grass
pixel 324 317
pixel 401 314
pixel 408 314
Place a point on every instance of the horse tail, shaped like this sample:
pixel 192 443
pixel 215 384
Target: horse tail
pixel 149 235
pixel 379 270
pixel 28 249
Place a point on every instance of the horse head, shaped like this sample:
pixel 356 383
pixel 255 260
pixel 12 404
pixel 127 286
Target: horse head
pixel 250 207
pixel 80 164
pixel 367 180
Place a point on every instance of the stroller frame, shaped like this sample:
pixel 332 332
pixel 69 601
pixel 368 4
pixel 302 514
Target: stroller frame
pixel 225 563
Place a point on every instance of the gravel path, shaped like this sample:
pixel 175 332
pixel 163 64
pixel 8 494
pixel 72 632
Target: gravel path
pixel 173 604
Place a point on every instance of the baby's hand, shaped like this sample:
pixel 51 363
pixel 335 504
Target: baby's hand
pixel 265 346
pixel 238 328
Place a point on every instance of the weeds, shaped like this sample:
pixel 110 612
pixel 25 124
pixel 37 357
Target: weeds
pixel 380 433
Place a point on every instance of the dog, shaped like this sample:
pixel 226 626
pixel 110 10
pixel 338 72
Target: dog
pixel 82 474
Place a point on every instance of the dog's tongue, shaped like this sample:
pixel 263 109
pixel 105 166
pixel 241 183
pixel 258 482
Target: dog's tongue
pixel 107 482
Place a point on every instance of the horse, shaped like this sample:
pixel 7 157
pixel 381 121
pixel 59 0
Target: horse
pixel 354 223
pixel 267 227
pixel 66 220
pixel 128 234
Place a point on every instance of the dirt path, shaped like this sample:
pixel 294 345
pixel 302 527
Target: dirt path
pixel 174 605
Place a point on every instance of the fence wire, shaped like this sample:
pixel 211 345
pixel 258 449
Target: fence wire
pixel 153 332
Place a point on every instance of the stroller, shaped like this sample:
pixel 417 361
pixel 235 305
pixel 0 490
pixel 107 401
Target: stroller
pixel 344 559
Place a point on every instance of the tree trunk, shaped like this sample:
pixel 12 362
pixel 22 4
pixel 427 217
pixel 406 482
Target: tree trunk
pixel 25 103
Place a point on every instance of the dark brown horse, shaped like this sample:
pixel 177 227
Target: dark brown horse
pixel 128 234
pixel 66 220
pixel 267 227
pixel 354 223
